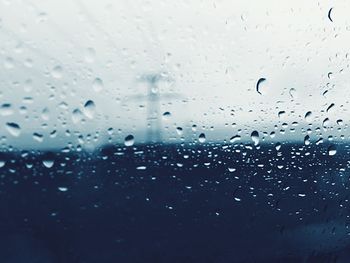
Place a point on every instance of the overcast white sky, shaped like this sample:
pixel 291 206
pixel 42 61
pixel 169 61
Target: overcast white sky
pixel 52 51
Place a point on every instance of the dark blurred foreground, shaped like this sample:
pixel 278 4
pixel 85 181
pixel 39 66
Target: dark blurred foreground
pixel 176 204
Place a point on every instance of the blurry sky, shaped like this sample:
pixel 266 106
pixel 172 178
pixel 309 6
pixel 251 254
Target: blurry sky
pixel 55 54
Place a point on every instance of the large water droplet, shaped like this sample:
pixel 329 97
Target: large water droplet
pixel 129 140
pixel 89 109
pixel 13 128
pixel 255 137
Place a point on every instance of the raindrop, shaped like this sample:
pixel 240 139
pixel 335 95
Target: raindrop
pixel 329 75
pixel 330 107
pixel 97 85
pixel 38 137
pixel 166 115
pixel 307 140
pixel 57 72
pixel 330 14
pixel 278 146
pixel 179 130
pixel 332 150
pixel 129 140
pixel 201 138
pixel 326 123
pixel 281 114
pixel 77 116
pixel 293 93
pixel 89 109
pixel 255 137
pixel 235 138
pixel 90 55
pixel 340 122
pixel 63 189
pixel 48 160
pixel 13 128
pixel 308 117
pixel 259 85
pixel 6 109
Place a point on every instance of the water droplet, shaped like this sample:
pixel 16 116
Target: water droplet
pixel 97 85
pixel 2 163
pixel 129 140
pixel 329 75
pixel 326 123
pixel 340 122
pixel 281 114
pixel 90 55
pixel 330 107
pixel 332 150
pixel 278 146
pixel 38 137
pixel 6 109
pixel 202 138
pixel 235 138
pixel 63 189
pixel 13 128
pixel 255 137
pixel 166 115
pixel 260 88
pixel 293 93
pixel 308 117
pixel 330 14
pixel 48 160
pixel 89 109
pixel 77 116
pixel 307 140
pixel 179 130
pixel 57 72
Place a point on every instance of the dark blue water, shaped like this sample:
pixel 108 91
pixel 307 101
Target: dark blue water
pixel 150 204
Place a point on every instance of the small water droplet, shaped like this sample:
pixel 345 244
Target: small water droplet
pixel 332 150
pixel 166 115
pixel 307 140
pixel 129 140
pixel 235 138
pixel 201 138
pixel 260 87
pixel 77 116
pixel 330 107
pixel 63 189
pixel 57 72
pixel 255 137
pixel 90 55
pixel 308 116
pixel 97 84
pixel 13 128
pixel 330 14
pixel 6 109
pixel 89 109
pixel 48 160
